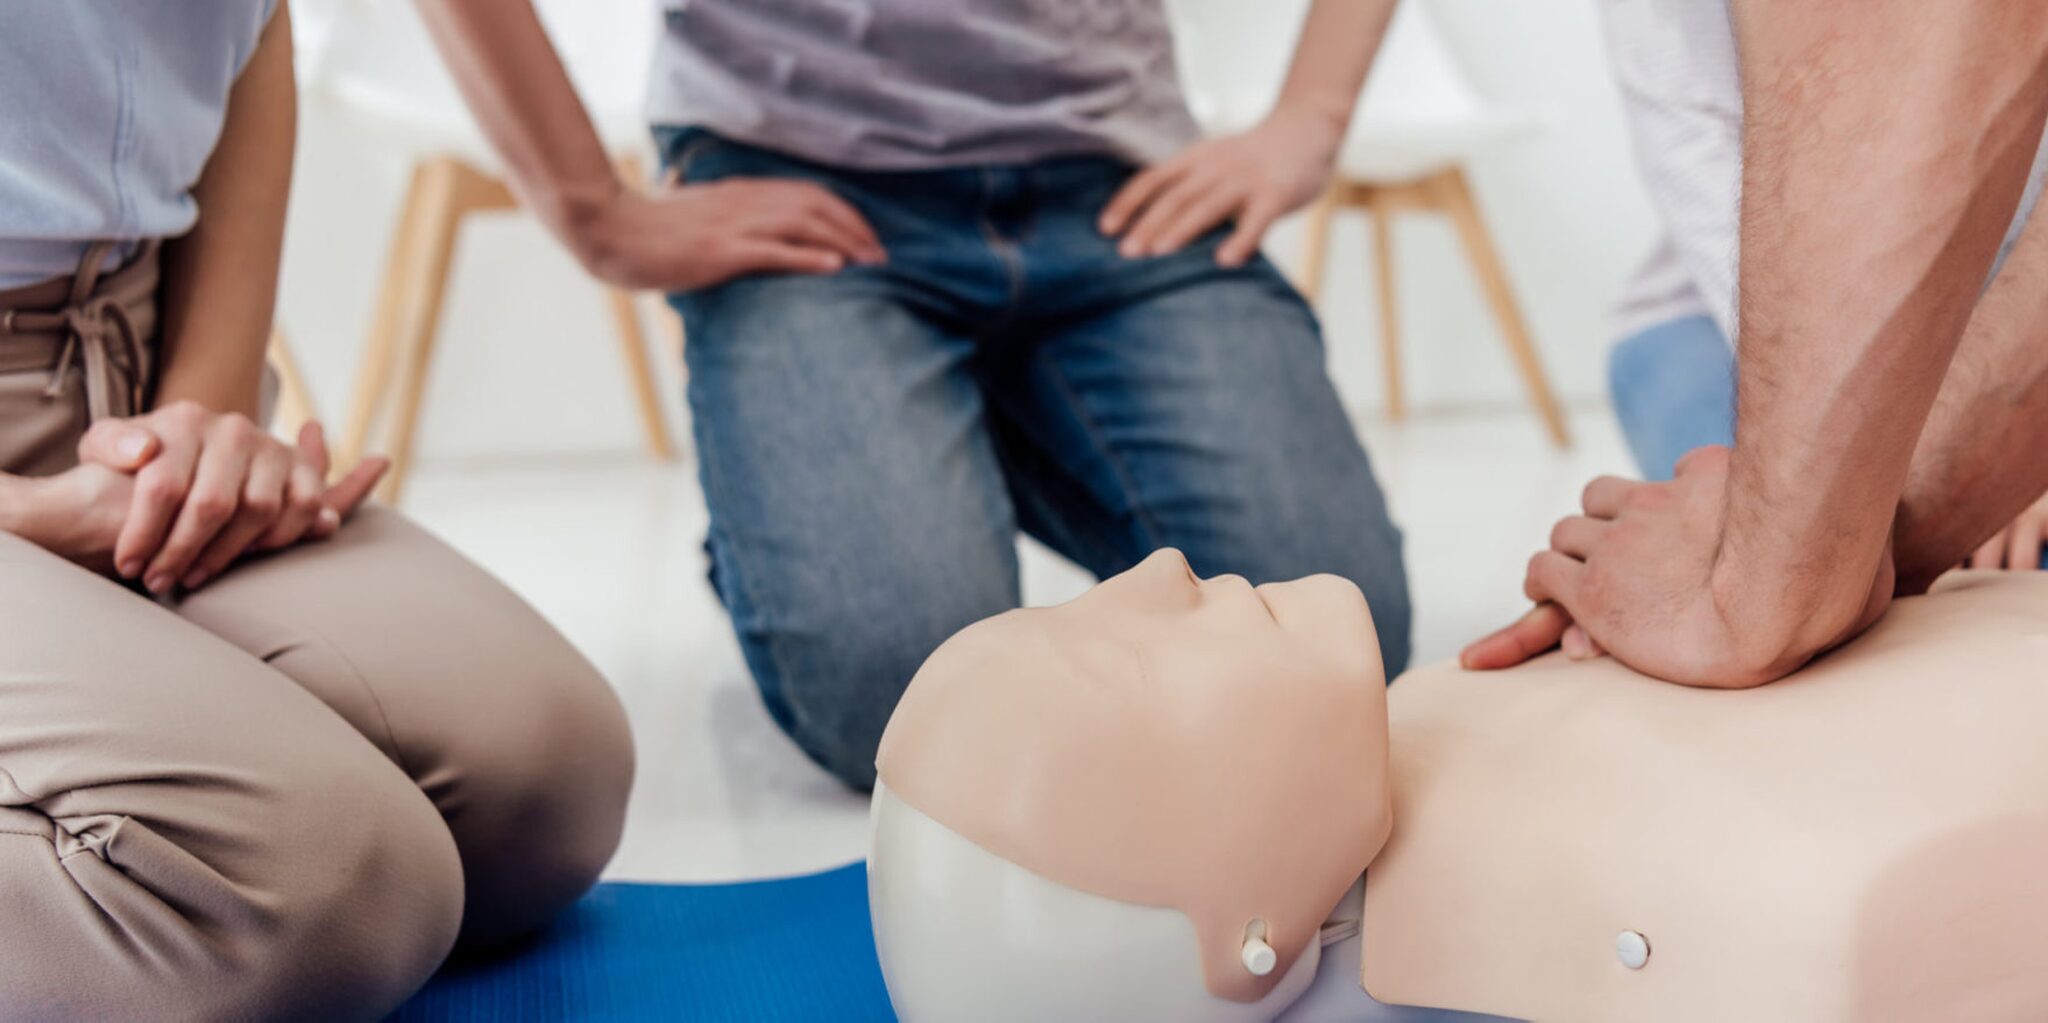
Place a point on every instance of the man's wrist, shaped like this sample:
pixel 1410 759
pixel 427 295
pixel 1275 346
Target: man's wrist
pixel 1321 121
pixel 580 215
pixel 1779 615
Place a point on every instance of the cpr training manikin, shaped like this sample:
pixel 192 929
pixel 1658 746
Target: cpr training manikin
pixel 1156 802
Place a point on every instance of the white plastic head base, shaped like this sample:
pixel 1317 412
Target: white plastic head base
pixel 966 935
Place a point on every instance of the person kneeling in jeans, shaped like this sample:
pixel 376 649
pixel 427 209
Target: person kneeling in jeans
pixel 949 273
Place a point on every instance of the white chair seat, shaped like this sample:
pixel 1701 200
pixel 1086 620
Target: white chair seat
pixel 1418 115
pixel 409 126
pixel 372 62
pixel 1393 150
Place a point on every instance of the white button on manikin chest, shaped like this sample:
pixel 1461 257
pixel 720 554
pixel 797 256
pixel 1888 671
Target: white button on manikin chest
pixel 1632 949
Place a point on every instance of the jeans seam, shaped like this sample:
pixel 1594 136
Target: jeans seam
pixel 716 481
pixel 1005 252
pixel 1139 508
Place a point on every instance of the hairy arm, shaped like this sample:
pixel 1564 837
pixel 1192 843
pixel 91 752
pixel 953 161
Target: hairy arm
pixel 1886 147
pixel 220 279
pixel 1979 460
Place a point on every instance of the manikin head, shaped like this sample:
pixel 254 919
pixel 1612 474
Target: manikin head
pixel 1141 804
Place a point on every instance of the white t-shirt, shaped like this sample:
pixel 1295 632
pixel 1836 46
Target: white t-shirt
pixel 108 113
pixel 1675 63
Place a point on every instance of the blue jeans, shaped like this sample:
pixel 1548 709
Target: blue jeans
pixel 1673 387
pixel 872 441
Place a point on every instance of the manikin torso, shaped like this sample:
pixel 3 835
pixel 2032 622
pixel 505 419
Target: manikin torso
pixel 1866 840
pixel 1859 842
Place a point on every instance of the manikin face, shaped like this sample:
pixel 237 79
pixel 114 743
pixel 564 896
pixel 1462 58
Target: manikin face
pixel 1163 623
pixel 1197 745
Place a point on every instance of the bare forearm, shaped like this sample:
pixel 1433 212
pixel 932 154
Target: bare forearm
pixel 1979 460
pixel 220 279
pixel 521 94
pixel 1338 41
pixel 1885 149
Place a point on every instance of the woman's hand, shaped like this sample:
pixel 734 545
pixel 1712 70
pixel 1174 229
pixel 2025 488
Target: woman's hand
pixel 2017 547
pixel 75 514
pixel 214 487
pixel 1253 178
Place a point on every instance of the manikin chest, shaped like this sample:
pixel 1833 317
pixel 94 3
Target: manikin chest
pixel 1863 841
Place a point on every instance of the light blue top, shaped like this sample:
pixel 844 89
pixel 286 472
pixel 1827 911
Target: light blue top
pixel 108 111
pixel 917 84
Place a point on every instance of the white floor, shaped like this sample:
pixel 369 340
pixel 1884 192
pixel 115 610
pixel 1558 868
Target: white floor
pixel 609 549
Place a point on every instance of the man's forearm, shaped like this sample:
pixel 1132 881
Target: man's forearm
pixel 1979 461
pixel 521 94
pixel 1885 150
pixel 220 279
pixel 1338 41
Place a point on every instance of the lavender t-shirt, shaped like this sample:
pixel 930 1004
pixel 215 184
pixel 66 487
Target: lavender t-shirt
pixel 915 84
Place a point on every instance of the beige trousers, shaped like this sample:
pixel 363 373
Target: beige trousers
pixel 285 796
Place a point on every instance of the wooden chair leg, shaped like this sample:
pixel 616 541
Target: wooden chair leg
pixel 294 398
pixel 450 191
pixel 1382 214
pixel 640 372
pixel 380 347
pixel 1455 196
pixel 1315 248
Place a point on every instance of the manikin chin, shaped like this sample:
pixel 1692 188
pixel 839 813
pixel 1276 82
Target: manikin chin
pixel 1156 802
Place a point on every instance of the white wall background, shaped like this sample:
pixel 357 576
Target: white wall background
pixel 527 361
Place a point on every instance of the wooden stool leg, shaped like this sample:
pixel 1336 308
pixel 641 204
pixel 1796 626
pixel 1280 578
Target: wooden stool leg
pixel 294 399
pixel 1456 197
pixel 1390 317
pixel 380 347
pixel 1315 248
pixel 640 372
pixel 450 191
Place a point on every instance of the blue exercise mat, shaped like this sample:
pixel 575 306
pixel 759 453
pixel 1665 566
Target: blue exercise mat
pixel 797 948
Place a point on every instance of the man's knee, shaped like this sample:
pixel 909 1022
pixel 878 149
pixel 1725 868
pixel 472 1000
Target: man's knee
pixel 833 685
